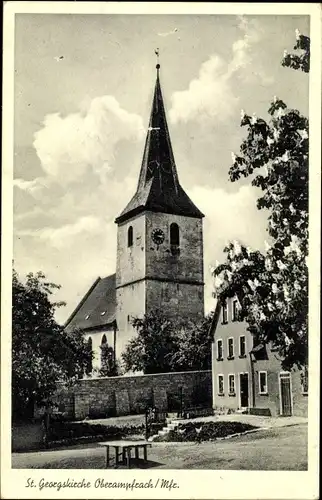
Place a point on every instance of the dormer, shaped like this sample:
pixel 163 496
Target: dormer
pixel 230 310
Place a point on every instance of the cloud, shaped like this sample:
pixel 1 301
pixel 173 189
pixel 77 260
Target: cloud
pixel 228 217
pixel 70 237
pixel 208 95
pixel 69 146
pixel 72 255
pixel 214 93
pixel 60 237
pixel 167 33
pixel 35 187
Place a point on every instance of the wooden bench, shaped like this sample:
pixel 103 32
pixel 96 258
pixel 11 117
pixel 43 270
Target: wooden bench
pixel 126 449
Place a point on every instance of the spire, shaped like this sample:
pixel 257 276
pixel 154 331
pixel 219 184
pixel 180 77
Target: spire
pixel 158 187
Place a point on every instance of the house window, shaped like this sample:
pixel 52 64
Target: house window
pixel 235 310
pixel 219 350
pixel 262 382
pixel 220 385
pixel 231 384
pixel 225 312
pixel 104 339
pixel 130 236
pixel 174 235
pixel 305 381
pixel 230 348
pixel 242 346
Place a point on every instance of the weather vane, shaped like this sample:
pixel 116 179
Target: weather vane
pixel 157 53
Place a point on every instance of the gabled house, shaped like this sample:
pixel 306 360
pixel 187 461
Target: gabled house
pixel 249 377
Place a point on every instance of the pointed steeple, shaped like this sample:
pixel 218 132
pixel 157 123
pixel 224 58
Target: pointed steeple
pixel 158 187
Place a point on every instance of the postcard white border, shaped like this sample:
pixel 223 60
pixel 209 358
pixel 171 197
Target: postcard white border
pixel 193 484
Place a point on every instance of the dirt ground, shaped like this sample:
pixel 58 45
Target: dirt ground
pixel 276 448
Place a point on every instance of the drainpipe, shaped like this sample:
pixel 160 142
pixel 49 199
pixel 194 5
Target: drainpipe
pixel 114 344
pixel 253 379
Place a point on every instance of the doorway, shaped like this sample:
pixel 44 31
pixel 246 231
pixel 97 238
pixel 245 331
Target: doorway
pixel 244 390
pixel 285 395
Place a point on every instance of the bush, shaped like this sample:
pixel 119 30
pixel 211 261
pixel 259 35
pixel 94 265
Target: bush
pixel 208 431
pixel 61 430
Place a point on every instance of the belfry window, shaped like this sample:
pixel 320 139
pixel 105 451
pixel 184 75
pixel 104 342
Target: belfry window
pixel 130 236
pixel 174 235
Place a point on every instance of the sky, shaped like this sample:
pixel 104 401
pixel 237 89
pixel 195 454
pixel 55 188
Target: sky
pixel 83 95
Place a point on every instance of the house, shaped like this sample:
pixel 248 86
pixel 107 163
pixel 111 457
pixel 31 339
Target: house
pixel 248 376
pixel 159 251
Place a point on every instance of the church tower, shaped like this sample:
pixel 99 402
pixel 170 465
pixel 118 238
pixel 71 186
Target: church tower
pixel 159 238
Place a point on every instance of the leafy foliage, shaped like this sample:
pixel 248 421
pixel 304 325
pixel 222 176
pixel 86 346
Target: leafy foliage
pixel 108 364
pixel 302 60
pixel 151 349
pixel 273 288
pixel 42 352
pixel 60 430
pixel 163 345
pixel 194 346
pixel 204 431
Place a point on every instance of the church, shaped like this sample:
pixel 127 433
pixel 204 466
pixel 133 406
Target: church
pixel 159 262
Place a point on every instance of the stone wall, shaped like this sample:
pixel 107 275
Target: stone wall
pixel 177 300
pixel 116 396
pixel 188 264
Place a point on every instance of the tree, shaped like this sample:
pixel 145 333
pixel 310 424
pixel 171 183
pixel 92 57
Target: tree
pixel 42 352
pixel 151 349
pixel 194 346
pixel 273 287
pixel 164 345
pixel 301 60
pixel 108 365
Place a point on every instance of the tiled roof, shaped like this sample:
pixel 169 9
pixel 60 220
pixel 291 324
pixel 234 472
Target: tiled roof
pixel 159 188
pixel 260 352
pixel 97 308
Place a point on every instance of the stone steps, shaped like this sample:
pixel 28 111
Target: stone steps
pixel 242 411
pixel 172 424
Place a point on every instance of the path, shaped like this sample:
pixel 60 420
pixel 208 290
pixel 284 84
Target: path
pixel 279 448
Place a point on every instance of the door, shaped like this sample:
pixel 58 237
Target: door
pixel 285 394
pixel 244 395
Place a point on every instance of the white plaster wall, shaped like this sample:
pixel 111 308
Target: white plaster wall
pixel 96 337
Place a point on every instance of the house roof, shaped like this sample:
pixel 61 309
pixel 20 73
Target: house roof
pixel 259 350
pixel 216 315
pixel 215 318
pixel 97 309
pixel 158 187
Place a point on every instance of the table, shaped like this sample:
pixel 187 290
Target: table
pixel 126 447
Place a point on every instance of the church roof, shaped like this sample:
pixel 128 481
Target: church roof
pixel 158 187
pixel 97 309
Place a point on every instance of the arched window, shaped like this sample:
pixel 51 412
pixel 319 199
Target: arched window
pixel 103 349
pixel 130 236
pixel 107 368
pixel 89 368
pixel 174 234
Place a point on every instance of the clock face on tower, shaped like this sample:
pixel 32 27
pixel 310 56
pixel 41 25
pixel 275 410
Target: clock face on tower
pixel 158 236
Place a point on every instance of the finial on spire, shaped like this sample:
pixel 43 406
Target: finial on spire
pixel 157 53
